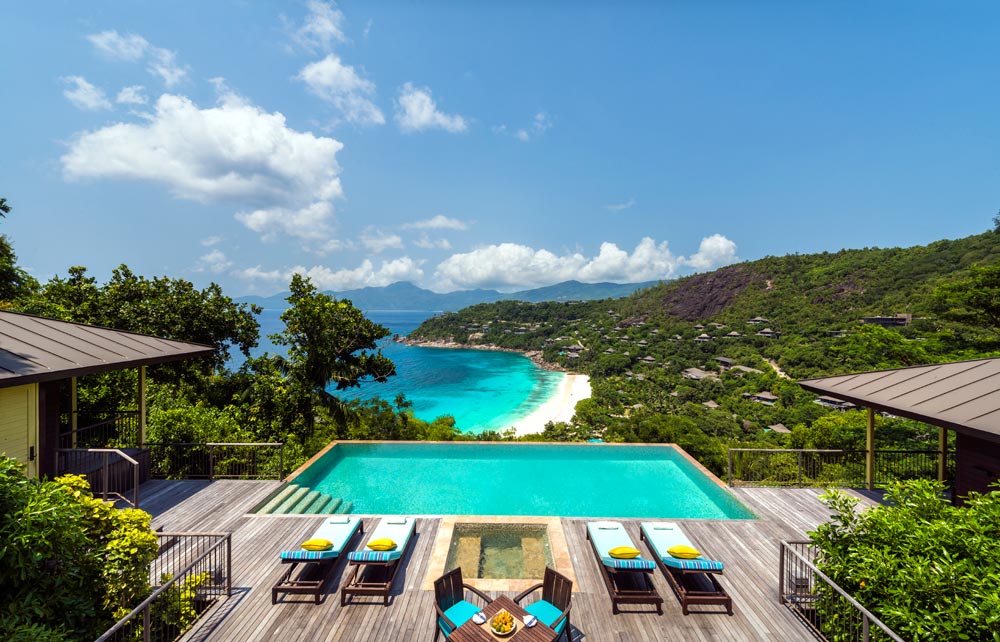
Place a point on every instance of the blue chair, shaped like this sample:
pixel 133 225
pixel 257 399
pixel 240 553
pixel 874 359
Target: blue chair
pixel 453 610
pixel 552 609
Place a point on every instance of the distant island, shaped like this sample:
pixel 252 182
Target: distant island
pixel 407 296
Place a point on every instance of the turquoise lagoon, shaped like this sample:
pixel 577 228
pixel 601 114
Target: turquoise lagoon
pixel 482 390
pixel 578 480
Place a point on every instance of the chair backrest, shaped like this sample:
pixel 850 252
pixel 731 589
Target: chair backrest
pixel 448 589
pixel 557 589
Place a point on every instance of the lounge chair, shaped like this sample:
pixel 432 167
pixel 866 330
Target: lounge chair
pixel 627 580
pixel 312 580
pixel 552 609
pixel 693 580
pixel 373 571
pixel 453 610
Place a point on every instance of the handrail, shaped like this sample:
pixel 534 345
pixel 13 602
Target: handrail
pixel 144 607
pixel 196 463
pixel 106 471
pixel 869 618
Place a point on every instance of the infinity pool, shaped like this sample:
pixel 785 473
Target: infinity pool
pixel 578 480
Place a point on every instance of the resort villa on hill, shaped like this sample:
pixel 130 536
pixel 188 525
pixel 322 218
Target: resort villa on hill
pixel 383 541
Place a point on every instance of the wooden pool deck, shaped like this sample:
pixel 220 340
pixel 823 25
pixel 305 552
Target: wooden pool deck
pixel 748 548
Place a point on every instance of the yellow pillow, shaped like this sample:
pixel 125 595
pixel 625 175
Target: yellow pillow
pixel 684 552
pixel 382 544
pixel 317 544
pixel 623 552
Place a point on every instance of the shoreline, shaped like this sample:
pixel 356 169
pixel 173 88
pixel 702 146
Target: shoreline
pixel 560 407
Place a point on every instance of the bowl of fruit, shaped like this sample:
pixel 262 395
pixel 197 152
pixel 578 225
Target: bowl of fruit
pixel 503 623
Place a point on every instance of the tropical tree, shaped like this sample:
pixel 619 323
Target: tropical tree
pixel 330 343
pixel 14 282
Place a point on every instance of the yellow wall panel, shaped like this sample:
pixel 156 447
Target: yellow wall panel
pixel 19 424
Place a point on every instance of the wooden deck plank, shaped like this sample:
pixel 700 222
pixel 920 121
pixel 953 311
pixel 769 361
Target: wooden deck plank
pixel 749 549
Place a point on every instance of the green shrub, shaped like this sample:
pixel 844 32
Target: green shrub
pixel 928 569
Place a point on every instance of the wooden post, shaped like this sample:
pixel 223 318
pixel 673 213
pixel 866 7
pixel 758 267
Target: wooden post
pixel 870 451
pixel 942 453
pixel 73 425
pixel 141 405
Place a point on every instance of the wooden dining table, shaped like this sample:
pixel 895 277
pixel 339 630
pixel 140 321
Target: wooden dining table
pixel 472 632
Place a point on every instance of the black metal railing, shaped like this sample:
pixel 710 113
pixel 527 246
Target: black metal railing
pixel 100 429
pixel 191 572
pixel 804 467
pixel 820 603
pixel 217 460
pixel 113 474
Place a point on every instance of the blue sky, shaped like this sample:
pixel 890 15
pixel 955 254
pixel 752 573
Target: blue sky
pixel 500 145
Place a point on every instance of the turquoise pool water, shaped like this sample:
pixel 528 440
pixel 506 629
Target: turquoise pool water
pixel 520 479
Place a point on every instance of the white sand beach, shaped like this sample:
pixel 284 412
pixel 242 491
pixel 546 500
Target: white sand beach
pixel 559 407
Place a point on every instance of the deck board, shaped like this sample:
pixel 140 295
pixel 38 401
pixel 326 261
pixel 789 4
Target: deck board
pixel 749 549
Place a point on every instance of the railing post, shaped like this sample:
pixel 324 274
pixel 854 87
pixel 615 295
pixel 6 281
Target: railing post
pixel 729 477
pixel 229 564
pixel 865 633
pixel 146 625
pixel 781 572
pixel 135 485
pixel 104 474
pixel 799 467
pixel 281 462
pixel 211 461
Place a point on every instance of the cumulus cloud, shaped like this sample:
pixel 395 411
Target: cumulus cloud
pixel 620 207
pixel 341 86
pixel 281 179
pixel 132 95
pixel 714 251
pixel 323 25
pixel 209 241
pixel 416 111
pixel 439 222
pixel 540 124
pixel 134 48
pixel 509 265
pixel 425 242
pixel 85 95
pixel 325 278
pixel 215 262
pixel 378 242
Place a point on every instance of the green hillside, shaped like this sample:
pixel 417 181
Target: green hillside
pixel 639 350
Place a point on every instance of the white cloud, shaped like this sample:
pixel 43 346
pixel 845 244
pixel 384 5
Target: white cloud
pixel 377 242
pixel 368 29
pixel 509 265
pixel 323 25
pixel 620 207
pixel 427 243
pixel 439 222
pixel 133 48
pixel 84 95
pixel 416 111
pixel 281 179
pixel 132 95
pixel 341 86
pixel 129 48
pixel 215 262
pixel 325 278
pixel 540 124
pixel 714 251
pixel 211 240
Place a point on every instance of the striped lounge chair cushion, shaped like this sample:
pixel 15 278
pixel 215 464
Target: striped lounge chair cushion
pixel 308 556
pixel 693 565
pixel 374 556
pixel 635 564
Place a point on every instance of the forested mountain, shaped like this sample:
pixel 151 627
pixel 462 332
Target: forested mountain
pixel 406 296
pixel 666 352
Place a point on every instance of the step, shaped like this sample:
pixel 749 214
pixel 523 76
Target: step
pixel 329 506
pixel 533 556
pixel 346 508
pixel 311 498
pixel 470 549
pixel 292 499
pixel 318 506
pixel 279 496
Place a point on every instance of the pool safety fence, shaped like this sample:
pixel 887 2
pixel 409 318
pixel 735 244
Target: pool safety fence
pixel 822 605
pixel 191 572
pixel 824 468
pixel 217 460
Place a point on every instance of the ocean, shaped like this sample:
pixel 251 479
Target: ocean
pixel 482 390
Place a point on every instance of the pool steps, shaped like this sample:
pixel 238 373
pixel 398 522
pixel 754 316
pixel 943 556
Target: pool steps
pixel 292 499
